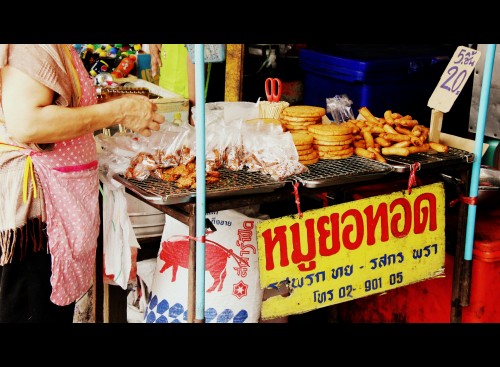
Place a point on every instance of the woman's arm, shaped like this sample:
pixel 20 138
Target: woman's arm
pixel 154 51
pixel 31 117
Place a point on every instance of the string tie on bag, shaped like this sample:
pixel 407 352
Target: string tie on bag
pixel 412 181
pixel 297 198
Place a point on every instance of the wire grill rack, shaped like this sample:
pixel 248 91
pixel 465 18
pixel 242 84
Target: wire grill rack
pixel 328 172
pixel 231 183
pixel 325 172
pixel 430 159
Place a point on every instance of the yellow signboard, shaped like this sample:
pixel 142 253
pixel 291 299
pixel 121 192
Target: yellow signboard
pixel 351 250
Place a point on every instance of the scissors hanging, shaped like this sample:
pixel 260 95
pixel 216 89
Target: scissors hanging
pixel 273 89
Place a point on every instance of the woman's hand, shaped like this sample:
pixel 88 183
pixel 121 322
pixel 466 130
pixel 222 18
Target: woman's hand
pixel 139 114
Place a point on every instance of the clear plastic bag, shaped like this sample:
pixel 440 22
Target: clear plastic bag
pixel 339 107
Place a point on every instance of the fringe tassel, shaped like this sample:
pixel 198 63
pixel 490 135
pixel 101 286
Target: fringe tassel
pixel 14 242
pixel 7 241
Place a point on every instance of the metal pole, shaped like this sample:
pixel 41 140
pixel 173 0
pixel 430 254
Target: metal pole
pixel 199 55
pixel 476 165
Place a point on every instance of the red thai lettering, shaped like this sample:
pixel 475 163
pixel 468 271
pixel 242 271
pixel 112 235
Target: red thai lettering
pixel 271 242
pixel 423 214
pixel 297 256
pixel 326 235
pixel 397 218
pixel 358 230
pixel 380 219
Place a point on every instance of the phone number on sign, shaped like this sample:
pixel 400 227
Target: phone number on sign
pixel 374 284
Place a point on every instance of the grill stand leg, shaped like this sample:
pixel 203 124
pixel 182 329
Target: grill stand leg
pixel 462 268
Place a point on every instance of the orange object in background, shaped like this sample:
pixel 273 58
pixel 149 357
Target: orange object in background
pixel 484 305
pixel 124 67
pixel 429 301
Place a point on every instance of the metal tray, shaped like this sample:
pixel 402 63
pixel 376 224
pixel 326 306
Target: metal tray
pixel 231 183
pixel 430 159
pixel 329 172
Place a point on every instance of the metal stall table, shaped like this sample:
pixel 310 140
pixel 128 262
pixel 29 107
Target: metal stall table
pixel 241 188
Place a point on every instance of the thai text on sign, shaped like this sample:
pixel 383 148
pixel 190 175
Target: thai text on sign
pixel 351 250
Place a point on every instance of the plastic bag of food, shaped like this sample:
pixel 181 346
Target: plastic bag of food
pixel 271 151
pixel 339 107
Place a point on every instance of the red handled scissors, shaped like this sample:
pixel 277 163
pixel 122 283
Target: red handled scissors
pixel 273 89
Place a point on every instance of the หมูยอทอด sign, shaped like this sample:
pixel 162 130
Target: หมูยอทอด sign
pixel 351 250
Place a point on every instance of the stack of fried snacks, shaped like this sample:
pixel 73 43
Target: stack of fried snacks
pixel 298 118
pixel 304 144
pixel 332 141
pixel 393 134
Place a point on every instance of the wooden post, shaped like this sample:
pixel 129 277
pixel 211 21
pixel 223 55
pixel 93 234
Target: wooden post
pixel 234 73
pixel 436 124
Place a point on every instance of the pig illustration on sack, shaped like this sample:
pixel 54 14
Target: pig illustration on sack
pixel 175 254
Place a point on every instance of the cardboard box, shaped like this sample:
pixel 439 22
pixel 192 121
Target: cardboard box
pixel 175 110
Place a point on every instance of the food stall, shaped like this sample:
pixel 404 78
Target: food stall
pixel 337 178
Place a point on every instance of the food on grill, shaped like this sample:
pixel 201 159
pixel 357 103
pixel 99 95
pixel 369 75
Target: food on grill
pixel 300 139
pixel 366 113
pixel 332 138
pixel 393 134
pixel 307 162
pixel 442 148
pixel 395 151
pixel 330 130
pixel 301 111
pixel 298 118
pixel 305 149
pixel 141 166
pixel 336 154
pixel 378 157
pixel 331 148
pixel 307 155
pixel 183 175
pixel 333 143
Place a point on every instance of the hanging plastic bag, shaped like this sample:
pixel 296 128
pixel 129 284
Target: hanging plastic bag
pixel 119 241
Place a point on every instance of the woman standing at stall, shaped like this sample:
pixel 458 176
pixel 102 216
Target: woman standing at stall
pixel 49 186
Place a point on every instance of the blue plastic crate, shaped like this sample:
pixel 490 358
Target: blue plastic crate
pixel 396 78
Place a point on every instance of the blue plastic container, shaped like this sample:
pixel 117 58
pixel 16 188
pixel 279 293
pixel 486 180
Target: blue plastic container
pixel 380 77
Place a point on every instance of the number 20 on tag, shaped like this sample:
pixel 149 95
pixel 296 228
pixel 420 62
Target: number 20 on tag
pixel 454 77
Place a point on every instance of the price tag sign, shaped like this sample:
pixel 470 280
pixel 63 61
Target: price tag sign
pixel 452 81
